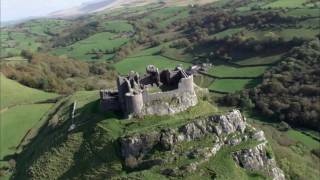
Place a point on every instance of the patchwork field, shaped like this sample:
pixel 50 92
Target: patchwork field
pixel 13 42
pixel 99 42
pixel 118 26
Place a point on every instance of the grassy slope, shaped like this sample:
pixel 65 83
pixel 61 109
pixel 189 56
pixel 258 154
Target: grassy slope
pixel 118 26
pixel 91 151
pixel 103 41
pixel 16 122
pixel 291 148
pixel 13 93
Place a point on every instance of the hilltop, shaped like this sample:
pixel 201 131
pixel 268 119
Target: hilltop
pixel 261 57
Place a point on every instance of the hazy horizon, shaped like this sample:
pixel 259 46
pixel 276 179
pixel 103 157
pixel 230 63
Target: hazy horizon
pixel 12 10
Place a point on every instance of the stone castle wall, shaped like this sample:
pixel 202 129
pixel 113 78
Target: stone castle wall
pixel 163 103
pixel 133 99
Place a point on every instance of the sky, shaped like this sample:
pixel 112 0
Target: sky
pixel 21 9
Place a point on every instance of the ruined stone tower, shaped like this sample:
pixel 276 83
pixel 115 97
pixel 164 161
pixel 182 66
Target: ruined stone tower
pixel 175 93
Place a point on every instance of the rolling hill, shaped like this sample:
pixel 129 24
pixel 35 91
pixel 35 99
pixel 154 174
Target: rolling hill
pixel 264 61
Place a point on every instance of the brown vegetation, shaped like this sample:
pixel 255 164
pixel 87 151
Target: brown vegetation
pixel 58 74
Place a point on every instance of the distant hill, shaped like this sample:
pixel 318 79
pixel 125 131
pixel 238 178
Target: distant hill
pixel 100 5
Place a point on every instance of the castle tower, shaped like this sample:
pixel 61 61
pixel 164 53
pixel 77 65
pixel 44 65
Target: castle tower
pixel 134 103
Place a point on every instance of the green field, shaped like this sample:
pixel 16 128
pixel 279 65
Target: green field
pixel 286 4
pixel 45 26
pixel 13 93
pixel 139 64
pixel 257 60
pixel 101 41
pixel 232 85
pixel 118 26
pixel 16 122
pixel 286 34
pixel 228 32
pixel 229 71
pixel 304 139
pixel 13 42
pixel 303 12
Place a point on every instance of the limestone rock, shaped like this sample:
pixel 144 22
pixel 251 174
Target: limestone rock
pixel 138 145
pixel 168 138
pixel 256 159
pixel 259 136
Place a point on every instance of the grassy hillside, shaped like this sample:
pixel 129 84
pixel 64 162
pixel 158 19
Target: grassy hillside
pixel 13 93
pixel 16 122
pixel 244 40
pixel 21 114
pixel 85 49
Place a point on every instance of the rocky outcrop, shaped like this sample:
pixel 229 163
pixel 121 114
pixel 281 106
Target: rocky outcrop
pixel 228 129
pixel 219 125
pixel 258 159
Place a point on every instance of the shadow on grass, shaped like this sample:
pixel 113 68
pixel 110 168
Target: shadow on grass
pixel 51 136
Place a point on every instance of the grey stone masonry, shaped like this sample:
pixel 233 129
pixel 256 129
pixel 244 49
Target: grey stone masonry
pixel 175 93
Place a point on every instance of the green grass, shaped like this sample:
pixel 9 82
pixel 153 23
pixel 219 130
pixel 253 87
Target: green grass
pixel 304 139
pixel 232 85
pixel 223 162
pixel 139 64
pixel 285 4
pixel 286 34
pixel 42 27
pixel 296 162
pixel 103 41
pixel 15 123
pixel 229 71
pixel 118 26
pixel 203 81
pixel 303 12
pixel 257 60
pixel 227 32
pixel 13 93
pixel 13 42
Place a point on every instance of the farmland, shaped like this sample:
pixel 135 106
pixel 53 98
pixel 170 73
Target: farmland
pixel 256 48
pixel 232 85
pixel 99 42
pixel 229 71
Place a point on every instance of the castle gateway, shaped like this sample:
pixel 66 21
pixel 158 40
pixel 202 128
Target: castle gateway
pixel 155 93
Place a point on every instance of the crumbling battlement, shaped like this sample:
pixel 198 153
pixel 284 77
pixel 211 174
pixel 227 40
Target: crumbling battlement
pixel 176 93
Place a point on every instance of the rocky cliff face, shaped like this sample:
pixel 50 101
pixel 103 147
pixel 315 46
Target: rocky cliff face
pixel 224 130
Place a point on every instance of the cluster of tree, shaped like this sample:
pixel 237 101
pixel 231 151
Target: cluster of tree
pixel 199 26
pixel 76 34
pixel 224 48
pixel 290 91
pixel 181 43
pixel 57 74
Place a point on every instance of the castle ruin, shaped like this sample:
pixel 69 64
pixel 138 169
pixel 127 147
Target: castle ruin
pixel 155 93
